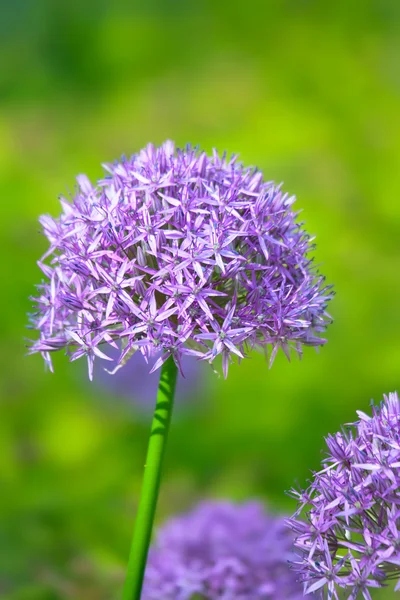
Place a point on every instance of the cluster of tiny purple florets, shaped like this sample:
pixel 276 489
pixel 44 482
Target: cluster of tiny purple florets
pixel 222 551
pixel 173 253
pixel 351 538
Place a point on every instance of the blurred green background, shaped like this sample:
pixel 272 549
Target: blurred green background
pixel 309 92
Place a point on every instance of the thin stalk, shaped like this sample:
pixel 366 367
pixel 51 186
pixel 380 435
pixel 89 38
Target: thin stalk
pixel 151 482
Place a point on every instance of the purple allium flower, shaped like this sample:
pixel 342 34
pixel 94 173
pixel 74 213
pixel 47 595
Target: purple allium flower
pixel 179 252
pixel 225 551
pixel 351 538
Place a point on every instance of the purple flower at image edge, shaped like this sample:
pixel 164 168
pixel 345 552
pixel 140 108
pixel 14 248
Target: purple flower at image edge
pixel 349 536
pixel 225 551
pixel 177 253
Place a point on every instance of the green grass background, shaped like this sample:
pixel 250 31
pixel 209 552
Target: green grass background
pixel 309 92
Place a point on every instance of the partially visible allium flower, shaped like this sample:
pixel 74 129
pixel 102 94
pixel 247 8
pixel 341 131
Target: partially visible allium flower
pixel 179 252
pixel 223 551
pixel 133 383
pixel 351 536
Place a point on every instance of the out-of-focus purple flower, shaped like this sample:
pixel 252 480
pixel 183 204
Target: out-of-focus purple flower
pixel 351 536
pixel 134 383
pixel 182 253
pixel 222 551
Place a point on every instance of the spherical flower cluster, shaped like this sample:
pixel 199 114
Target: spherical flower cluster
pixel 222 551
pixel 351 538
pixel 179 252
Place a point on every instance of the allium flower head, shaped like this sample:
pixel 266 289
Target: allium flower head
pixel 179 252
pixel 351 538
pixel 222 551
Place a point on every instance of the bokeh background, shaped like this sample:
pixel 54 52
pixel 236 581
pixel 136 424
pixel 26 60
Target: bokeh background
pixel 308 91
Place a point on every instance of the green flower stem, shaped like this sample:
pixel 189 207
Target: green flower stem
pixel 151 482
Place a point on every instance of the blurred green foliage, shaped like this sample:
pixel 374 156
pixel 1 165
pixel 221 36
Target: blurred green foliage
pixel 306 90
